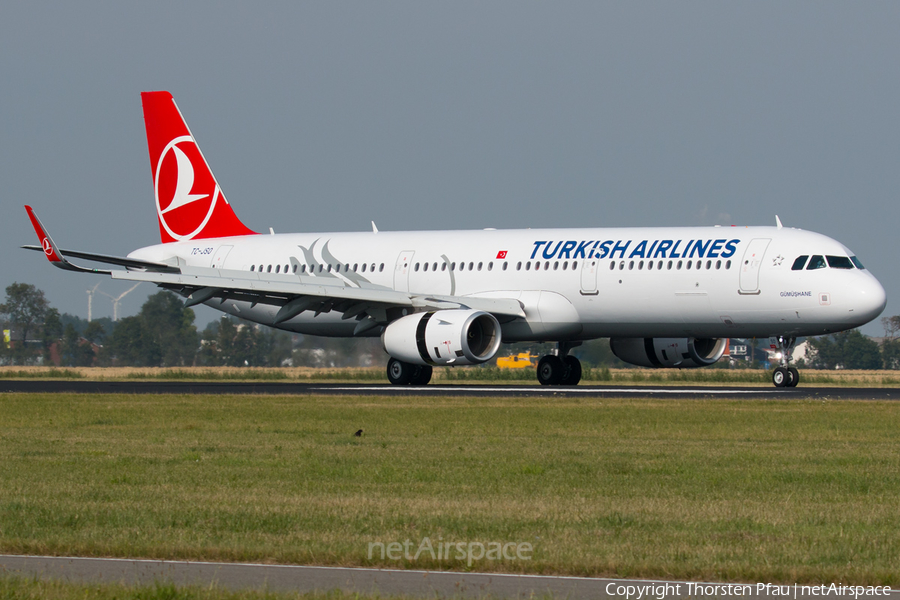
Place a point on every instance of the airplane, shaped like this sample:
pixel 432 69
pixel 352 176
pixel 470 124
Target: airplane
pixel 665 297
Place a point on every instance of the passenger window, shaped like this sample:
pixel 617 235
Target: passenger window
pixel 381 268
pixel 839 262
pixel 689 264
pixel 574 264
pixel 444 267
pixel 519 266
pixel 364 267
pixel 471 266
pixel 650 265
pixel 269 269
pixel 504 265
pixel 479 266
pixel 727 264
pixel 640 265
pixel 816 262
pixel 612 265
pixel 252 267
pixel 718 265
pixel 528 266
pixel 556 266
pixel 295 268
pixel 631 266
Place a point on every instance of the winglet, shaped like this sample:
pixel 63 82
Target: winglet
pixel 51 250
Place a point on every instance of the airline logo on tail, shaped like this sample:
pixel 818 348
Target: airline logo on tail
pixel 189 203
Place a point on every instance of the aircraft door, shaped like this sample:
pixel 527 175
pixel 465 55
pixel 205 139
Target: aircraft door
pixel 589 269
pixel 218 260
pixel 753 257
pixel 402 269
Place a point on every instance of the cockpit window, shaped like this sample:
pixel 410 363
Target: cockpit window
pixel 816 262
pixel 856 262
pixel 799 263
pixel 839 262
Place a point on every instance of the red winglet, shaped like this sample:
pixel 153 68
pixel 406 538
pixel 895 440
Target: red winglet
pixel 50 249
pixel 189 202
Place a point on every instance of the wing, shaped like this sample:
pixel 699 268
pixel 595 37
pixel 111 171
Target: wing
pixel 369 304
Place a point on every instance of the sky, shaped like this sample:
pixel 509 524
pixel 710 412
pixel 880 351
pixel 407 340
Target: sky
pixel 324 116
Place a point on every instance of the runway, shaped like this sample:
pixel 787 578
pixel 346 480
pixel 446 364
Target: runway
pixel 463 390
pixel 390 582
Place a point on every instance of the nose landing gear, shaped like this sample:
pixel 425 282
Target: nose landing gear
pixel 785 375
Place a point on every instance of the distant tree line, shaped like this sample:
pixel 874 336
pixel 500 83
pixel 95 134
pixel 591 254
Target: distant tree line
pixel 163 334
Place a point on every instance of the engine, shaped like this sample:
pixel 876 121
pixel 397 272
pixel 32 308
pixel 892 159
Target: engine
pixel 668 353
pixel 444 337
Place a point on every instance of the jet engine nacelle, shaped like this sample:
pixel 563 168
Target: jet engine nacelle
pixel 668 353
pixel 443 337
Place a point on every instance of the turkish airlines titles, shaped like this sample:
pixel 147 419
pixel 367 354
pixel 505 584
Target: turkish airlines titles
pixel 571 249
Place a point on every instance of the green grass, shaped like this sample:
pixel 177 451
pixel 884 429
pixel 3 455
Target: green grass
pixel 777 491
pixel 211 375
pixel 51 373
pixel 24 588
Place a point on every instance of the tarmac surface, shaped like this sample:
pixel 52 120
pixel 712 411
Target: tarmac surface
pixel 419 584
pixel 465 390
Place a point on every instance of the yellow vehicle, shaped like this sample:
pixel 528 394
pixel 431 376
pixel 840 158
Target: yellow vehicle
pixel 522 360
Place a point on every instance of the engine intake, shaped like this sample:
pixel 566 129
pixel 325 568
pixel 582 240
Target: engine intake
pixel 668 353
pixel 444 337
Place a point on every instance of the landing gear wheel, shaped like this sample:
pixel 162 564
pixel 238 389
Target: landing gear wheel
pixel 399 372
pixel 421 375
pixel 795 377
pixel 550 370
pixel 572 374
pixel 781 377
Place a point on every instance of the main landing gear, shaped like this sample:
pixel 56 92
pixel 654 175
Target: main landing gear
pixel 785 375
pixel 403 373
pixel 560 368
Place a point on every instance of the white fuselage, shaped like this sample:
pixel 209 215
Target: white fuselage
pixel 574 284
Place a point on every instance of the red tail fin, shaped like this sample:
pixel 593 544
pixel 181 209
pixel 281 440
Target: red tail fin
pixel 189 203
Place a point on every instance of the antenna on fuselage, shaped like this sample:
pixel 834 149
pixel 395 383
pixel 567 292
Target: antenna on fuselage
pixel 374 229
pixel 778 222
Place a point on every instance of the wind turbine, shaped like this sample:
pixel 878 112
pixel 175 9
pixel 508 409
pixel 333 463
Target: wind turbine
pixel 115 300
pixel 90 294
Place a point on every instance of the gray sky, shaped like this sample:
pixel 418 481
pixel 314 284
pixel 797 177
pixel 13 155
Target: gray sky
pixel 425 115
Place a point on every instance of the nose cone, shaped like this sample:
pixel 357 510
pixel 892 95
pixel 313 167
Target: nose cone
pixel 869 302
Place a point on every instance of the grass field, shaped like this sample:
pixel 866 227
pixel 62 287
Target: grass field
pixel 744 377
pixel 771 491
pixel 23 588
